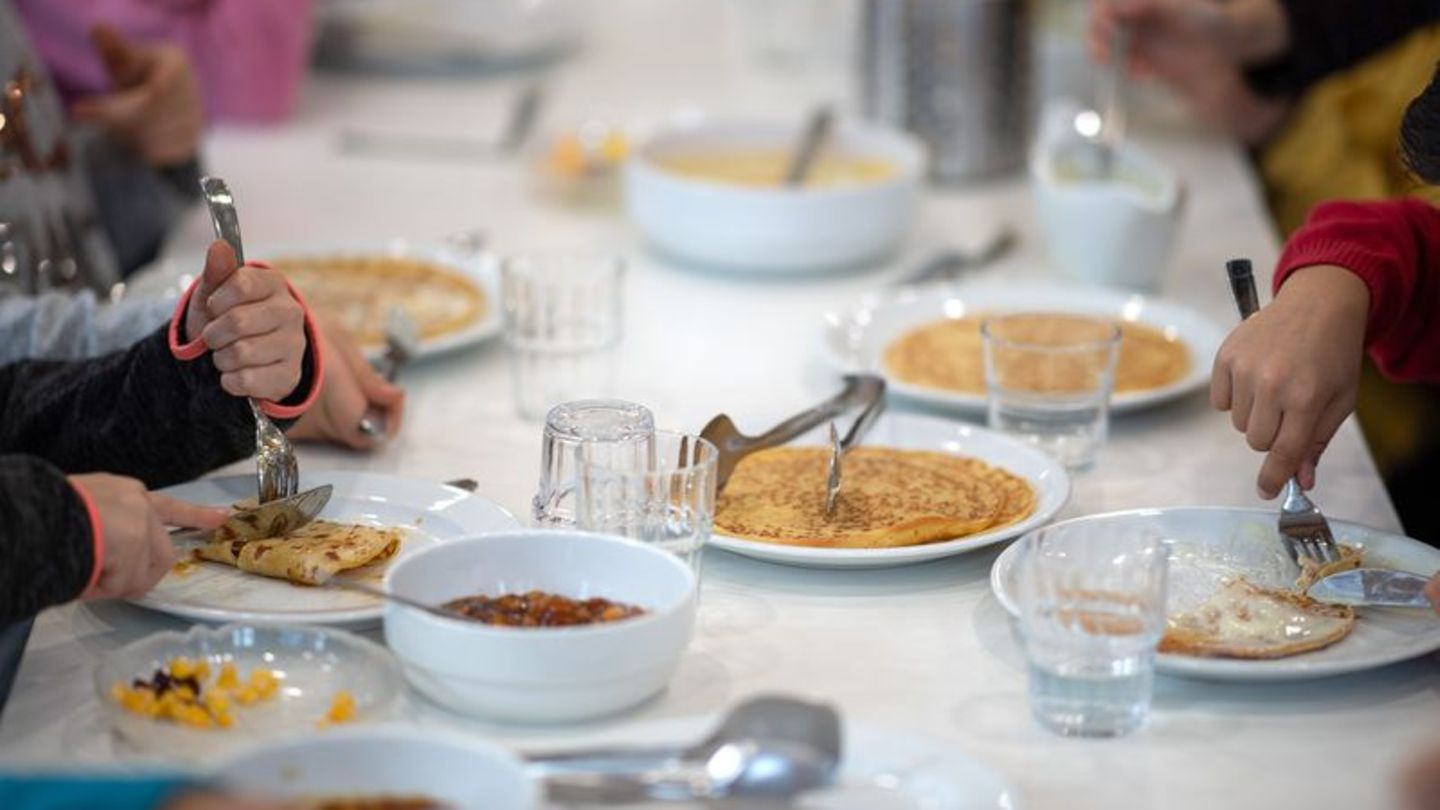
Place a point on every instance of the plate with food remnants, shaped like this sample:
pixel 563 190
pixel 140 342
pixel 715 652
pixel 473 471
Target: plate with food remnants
pixel 1236 602
pixel 208 691
pixel 917 488
pixel 370 521
pixel 926 341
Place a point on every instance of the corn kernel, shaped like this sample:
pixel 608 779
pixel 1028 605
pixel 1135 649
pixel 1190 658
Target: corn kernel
pixel 229 677
pixel 342 710
pixel 181 667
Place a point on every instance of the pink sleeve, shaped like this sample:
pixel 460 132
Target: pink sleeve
pixel 250 55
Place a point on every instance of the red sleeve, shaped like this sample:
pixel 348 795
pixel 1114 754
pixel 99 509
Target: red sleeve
pixel 1394 247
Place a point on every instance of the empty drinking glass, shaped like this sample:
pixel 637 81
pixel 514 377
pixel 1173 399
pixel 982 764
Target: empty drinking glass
pixel 619 432
pixel 1048 377
pixel 1092 609
pixel 668 499
pixel 562 322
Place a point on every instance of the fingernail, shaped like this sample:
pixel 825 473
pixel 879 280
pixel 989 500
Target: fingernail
pixel 1264 496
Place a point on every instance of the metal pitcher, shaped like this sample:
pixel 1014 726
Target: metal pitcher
pixel 956 74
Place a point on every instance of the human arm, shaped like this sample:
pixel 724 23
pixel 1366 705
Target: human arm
pixel 1357 277
pixel 170 407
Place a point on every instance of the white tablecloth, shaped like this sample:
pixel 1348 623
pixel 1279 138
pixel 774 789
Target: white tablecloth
pixel 923 650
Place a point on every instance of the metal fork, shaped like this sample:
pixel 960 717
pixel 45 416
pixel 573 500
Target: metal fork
pixel 1302 526
pixel 277 472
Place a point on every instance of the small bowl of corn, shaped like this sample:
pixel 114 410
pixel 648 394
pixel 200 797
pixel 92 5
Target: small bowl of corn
pixel 212 690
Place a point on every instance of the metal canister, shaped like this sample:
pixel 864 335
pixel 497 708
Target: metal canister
pixel 956 74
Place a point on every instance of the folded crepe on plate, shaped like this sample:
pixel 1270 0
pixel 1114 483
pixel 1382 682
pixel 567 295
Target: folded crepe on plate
pixel 310 555
pixel 889 498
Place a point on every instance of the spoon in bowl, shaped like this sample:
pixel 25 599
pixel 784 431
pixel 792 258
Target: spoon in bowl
pixel 817 131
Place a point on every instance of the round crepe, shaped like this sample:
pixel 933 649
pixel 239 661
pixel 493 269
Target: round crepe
pixel 948 354
pixel 360 290
pixel 889 498
pixel 311 555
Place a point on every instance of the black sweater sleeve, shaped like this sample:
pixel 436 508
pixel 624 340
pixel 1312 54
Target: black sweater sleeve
pixel 1329 36
pixel 139 413
pixel 46 546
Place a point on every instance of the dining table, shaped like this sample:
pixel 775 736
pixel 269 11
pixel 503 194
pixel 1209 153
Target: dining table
pixel 923 650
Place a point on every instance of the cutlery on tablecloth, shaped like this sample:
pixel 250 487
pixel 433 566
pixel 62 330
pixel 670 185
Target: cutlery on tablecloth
pixel 839 447
pixel 1302 526
pixel 860 390
pixel 402 344
pixel 767 748
pixel 949 263
pixel 277 471
pixel 524 112
pixel 1372 587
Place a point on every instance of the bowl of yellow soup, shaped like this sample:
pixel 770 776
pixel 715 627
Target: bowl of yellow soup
pixel 713 194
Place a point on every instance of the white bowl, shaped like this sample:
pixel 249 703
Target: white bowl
pixel 559 674
pixel 450 768
pixel 773 229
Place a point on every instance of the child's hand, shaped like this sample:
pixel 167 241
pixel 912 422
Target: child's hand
pixel 1288 374
pixel 251 323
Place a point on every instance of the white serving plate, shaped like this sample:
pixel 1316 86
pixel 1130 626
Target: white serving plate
pixel 855 340
pixel 880 769
pixel 1208 543
pixel 169 278
pixel 313 664
pixel 458 770
pixel 430 512
pixel 915 432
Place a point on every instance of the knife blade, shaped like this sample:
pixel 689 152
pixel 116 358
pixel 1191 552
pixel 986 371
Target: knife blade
pixel 271 519
pixel 1372 587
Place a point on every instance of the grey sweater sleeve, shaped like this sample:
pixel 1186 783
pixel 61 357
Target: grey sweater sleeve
pixel 73 326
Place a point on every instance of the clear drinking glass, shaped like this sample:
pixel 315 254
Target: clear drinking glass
pixel 562 322
pixel 1092 609
pixel 619 431
pixel 668 499
pixel 1048 377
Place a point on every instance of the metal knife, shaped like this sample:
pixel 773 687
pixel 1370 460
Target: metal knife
pixel 272 519
pixel 1372 587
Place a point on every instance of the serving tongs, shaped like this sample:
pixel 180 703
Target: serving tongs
pixel 861 390
pixel 839 447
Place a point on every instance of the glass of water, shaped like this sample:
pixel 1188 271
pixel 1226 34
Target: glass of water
pixel 620 432
pixel 1092 609
pixel 562 323
pixel 667 499
pixel 1048 377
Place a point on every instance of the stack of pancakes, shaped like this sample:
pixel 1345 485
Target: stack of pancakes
pixel 890 498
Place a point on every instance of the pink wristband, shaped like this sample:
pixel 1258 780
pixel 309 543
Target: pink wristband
pixel 97 531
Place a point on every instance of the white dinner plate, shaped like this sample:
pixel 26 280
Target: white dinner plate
pixel 880 769
pixel 1209 543
pixel 169 278
pixel 429 512
pixel 916 432
pixel 855 340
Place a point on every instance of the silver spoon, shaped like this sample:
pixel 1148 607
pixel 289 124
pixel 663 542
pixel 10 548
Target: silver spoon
pixel 817 131
pixel 1112 100
pixel 767 747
